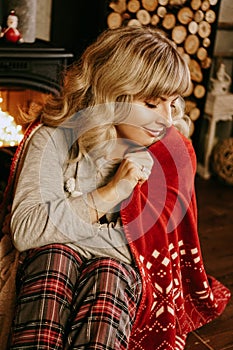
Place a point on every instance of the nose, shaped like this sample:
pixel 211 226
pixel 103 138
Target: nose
pixel 166 114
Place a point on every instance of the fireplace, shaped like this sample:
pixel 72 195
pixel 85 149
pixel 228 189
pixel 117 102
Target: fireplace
pixel 28 74
pixel 36 66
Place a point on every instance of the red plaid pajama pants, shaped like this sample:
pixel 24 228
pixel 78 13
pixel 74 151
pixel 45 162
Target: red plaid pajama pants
pixel 67 302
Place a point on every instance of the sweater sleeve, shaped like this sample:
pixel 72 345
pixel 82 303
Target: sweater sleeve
pixel 41 211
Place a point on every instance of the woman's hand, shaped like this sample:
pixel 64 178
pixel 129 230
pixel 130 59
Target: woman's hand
pixel 135 168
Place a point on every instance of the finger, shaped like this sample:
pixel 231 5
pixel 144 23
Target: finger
pixel 145 171
pixel 143 159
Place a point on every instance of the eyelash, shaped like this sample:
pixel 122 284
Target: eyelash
pixel 150 105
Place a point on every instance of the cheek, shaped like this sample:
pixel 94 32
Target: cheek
pixel 143 116
pixel 126 131
pixel 134 133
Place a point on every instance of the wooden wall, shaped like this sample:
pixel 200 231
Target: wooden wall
pixel 191 24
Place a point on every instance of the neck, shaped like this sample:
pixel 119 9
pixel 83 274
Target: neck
pixel 123 146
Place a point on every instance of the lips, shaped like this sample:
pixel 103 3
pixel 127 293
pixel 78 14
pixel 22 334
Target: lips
pixel 155 133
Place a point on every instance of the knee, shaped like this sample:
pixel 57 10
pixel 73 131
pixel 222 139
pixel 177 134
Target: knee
pixel 113 275
pixel 52 261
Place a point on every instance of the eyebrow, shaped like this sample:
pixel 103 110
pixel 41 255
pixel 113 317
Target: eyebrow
pixel 162 98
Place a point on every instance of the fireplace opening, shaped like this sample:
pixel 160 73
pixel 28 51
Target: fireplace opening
pixel 29 73
pixel 12 100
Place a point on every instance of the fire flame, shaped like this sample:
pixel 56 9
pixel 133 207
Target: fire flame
pixel 10 133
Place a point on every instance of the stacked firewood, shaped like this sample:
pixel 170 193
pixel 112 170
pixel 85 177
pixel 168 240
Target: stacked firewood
pixel 189 23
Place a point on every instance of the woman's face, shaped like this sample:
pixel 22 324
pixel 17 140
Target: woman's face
pixel 147 121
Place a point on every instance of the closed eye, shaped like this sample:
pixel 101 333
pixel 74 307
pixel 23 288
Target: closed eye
pixel 150 105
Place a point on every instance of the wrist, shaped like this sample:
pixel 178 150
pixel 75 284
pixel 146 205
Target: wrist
pixel 108 195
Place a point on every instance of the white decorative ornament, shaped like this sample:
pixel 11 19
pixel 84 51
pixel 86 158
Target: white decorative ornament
pixel 70 188
pixel 221 85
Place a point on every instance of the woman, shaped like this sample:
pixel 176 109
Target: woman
pixel 81 283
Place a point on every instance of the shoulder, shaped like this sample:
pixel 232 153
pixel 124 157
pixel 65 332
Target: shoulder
pixel 52 136
pixel 49 142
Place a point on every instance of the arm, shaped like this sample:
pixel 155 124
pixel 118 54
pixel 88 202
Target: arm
pixel 42 213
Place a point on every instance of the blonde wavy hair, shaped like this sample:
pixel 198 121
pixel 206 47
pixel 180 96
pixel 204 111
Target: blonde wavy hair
pixel 122 65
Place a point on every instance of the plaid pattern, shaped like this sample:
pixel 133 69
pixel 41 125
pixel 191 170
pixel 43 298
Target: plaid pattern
pixel 66 302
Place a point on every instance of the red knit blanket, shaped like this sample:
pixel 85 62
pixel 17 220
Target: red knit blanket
pixel 8 254
pixel 160 221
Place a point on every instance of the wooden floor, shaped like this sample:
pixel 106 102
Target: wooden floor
pixel 215 210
